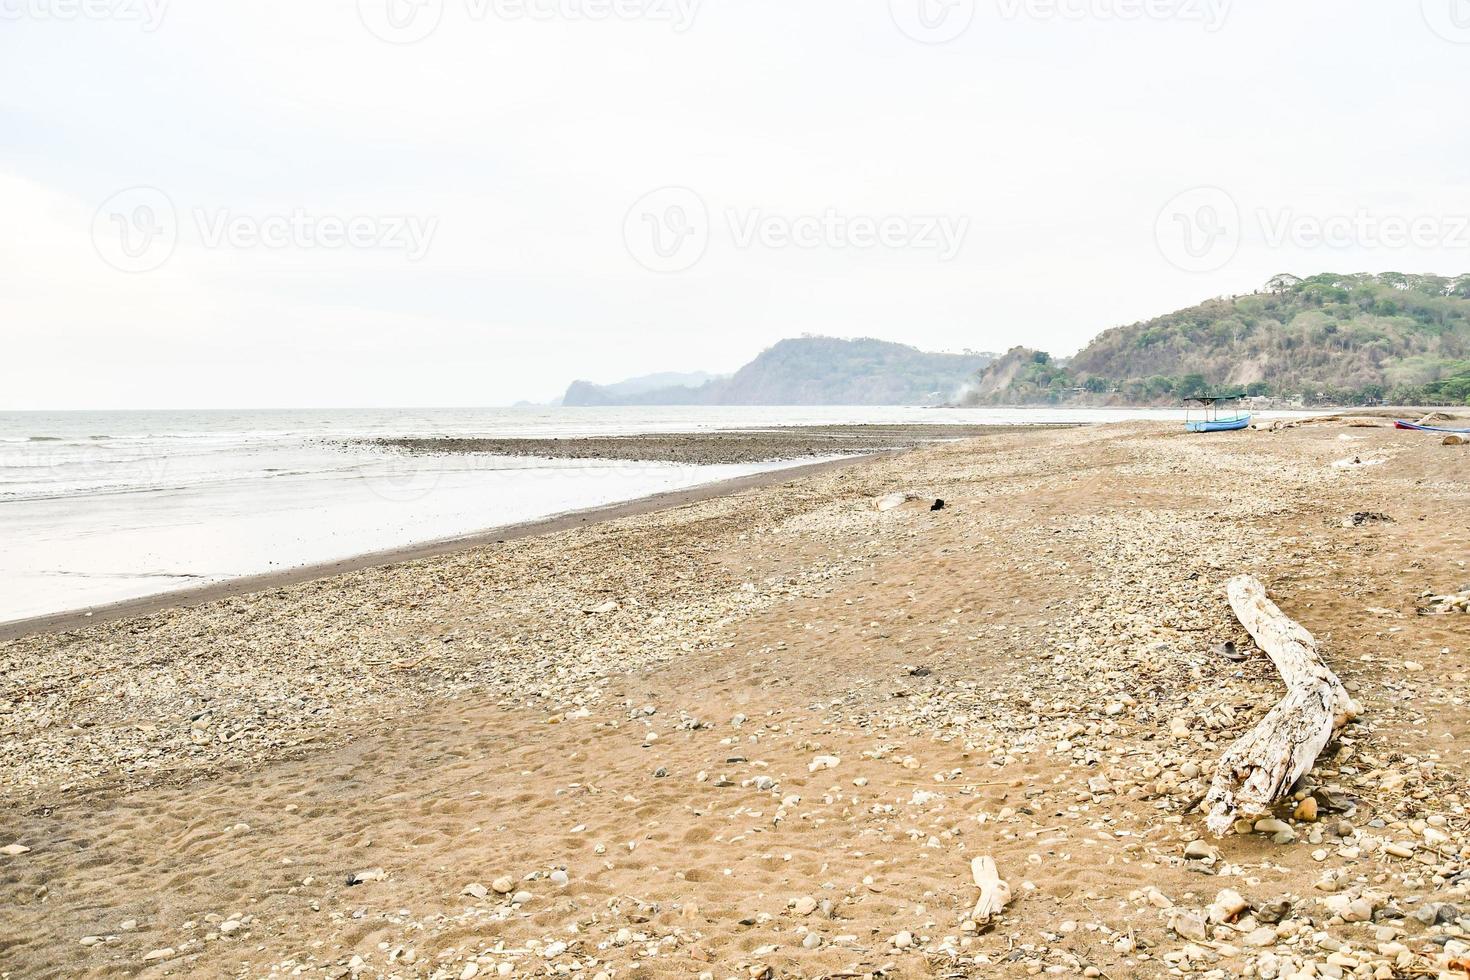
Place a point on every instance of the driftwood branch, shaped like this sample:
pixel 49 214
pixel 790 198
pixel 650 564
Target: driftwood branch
pixel 995 894
pixel 1265 762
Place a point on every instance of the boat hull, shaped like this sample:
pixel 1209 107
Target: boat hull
pixel 1219 425
pixel 1401 424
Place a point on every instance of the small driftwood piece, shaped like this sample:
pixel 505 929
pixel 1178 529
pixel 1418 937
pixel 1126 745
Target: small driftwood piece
pixel 994 893
pixel 1283 746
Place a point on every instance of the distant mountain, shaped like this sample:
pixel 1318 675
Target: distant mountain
pixel 655 382
pixel 1330 339
pixel 810 371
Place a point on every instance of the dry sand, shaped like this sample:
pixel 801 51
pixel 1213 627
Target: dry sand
pixel 605 750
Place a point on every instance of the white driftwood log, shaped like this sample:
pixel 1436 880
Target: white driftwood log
pixel 1265 762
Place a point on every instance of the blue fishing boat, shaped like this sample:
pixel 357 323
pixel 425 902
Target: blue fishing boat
pixel 1401 424
pixel 1212 420
pixel 1219 425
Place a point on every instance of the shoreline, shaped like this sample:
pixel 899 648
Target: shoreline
pixel 86 616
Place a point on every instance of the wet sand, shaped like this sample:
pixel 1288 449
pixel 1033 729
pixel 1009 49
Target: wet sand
pixel 246 585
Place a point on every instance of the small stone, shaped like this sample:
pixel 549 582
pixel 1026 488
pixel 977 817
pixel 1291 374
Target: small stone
pixel 371 874
pixel 1427 914
pixel 14 850
pixel 521 897
pixel 1263 936
pixel 1227 906
pixel 1270 825
pixel 822 762
pixel 159 954
pixel 1395 849
pixel 229 927
pixel 469 971
pixel 1306 810
pixel 554 950
pixel 903 940
pixel 559 878
pixel 128 925
pixel 475 890
pixel 1198 850
pixel 1273 912
pixel 1188 925
pixel 503 885
pixel 805 905
pixel 812 941
pixel 91 940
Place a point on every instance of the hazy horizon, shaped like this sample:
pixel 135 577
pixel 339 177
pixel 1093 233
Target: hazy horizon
pixel 371 203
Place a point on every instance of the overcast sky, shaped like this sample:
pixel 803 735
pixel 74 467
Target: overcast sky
pixel 272 203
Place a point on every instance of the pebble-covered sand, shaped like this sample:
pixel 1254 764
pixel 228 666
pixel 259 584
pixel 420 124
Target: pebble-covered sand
pixel 706 448
pixel 765 735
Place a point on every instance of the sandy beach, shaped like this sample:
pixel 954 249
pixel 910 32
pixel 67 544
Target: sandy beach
pixel 764 732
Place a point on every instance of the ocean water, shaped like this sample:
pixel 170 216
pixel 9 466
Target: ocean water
pixel 98 507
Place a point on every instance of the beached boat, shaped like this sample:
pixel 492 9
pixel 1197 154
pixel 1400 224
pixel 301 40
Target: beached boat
pixel 1212 420
pixel 1401 424
pixel 1218 425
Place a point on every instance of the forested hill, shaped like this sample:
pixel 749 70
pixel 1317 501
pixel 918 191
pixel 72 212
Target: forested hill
pixel 1330 339
pixel 814 371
